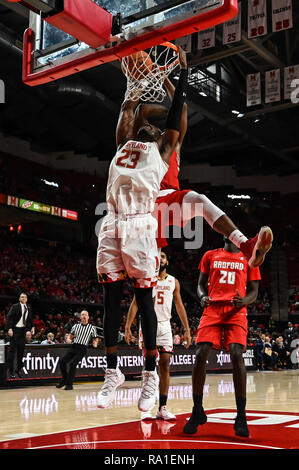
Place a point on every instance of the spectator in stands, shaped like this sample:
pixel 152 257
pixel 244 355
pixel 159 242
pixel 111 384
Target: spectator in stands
pixel 290 333
pixel 50 340
pixel 40 335
pixel 69 325
pixel 282 352
pixel 270 357
pixel 260 351
pixel 38 323
pixel 28 337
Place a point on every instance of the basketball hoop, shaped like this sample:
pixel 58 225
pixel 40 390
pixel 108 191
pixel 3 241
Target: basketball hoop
pixel 146 72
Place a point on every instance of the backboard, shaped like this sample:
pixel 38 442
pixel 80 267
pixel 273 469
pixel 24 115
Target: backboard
pixel 50 54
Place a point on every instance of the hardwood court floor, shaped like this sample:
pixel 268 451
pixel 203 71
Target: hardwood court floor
pixel 30 412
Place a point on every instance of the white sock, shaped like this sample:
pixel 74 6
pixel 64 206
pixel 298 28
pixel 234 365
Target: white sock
pixel 237 237
pixel 198 205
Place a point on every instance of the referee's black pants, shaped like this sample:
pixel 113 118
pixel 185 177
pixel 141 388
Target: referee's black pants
pixel 17 346
pixel 69 362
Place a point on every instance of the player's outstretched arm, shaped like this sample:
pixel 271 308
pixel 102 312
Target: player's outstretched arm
pixel 130 318
pixel 126 120
pixel 172 126
pixel 170 88
pixel 181 311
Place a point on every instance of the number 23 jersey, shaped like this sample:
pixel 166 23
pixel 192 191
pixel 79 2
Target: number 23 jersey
pixel 228 272
pixel 135 174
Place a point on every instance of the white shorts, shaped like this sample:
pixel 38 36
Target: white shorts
pixel 164 337
pixel 127 248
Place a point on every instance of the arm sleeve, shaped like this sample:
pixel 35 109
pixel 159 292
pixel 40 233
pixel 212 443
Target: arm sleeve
pixel 175 113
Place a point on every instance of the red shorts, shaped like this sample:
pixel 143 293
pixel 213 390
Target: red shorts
pixel 168 212
pixel 222 325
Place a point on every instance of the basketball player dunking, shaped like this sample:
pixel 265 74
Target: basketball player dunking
pixel 166 291
pixel 193 204
pixel 226 286
pixel 127 244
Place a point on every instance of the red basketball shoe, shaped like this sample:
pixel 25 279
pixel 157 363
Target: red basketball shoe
pixel 256 248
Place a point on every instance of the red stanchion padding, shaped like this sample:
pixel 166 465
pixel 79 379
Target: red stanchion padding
pixel 85 20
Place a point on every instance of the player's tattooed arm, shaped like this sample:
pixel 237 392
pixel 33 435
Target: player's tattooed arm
pixel 202 291
pixel 251 295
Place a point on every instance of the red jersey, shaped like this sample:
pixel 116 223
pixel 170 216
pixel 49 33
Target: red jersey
pixel 171 179
pixel 228 272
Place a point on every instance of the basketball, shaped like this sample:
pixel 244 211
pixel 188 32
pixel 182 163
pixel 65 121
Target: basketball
pixel 137 65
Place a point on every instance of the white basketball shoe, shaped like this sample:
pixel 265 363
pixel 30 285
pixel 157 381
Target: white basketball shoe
pixel 149 392
pixel 114 378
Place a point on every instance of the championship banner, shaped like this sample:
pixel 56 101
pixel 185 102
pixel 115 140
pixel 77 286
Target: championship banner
pixel 282 15
pixel 291 73
pixel 185 43
pixel 232 30
pixel 206 38
pixel 254 89
pixel 272 86
pixel 257 18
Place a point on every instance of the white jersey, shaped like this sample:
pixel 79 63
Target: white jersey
pixel 135 175
pixel 163 293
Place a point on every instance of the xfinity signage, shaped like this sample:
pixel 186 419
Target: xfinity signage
pixel 42 362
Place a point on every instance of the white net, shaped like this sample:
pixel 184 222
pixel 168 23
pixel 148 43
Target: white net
pixel 146 72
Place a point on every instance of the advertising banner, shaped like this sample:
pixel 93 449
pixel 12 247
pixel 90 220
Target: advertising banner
pixel 42 362
pixel 34 206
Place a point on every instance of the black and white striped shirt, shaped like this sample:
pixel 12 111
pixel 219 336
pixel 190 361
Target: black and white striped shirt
pixel 83 333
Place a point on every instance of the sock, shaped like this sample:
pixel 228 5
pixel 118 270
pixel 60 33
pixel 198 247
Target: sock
pixel 111 361
pixel 241 404
pixel 162 401
pixel 150 363
pixel 197 400
pixel 237 237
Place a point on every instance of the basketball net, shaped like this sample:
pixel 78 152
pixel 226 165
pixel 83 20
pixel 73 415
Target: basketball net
pixel 149 84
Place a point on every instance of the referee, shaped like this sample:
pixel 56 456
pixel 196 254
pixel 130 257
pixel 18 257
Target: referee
pixel 81 334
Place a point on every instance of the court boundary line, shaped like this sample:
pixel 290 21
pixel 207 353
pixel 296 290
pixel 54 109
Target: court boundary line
pixel 157 440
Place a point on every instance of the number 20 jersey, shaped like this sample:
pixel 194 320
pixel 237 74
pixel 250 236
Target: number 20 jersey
pixel 135 174
pixel 228 272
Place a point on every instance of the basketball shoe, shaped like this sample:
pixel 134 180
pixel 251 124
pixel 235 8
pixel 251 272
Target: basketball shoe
pixel 240 426
pixel 149 392
pixel 256 248
pixel 113 379
pixel 164 414
pixel 197 418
